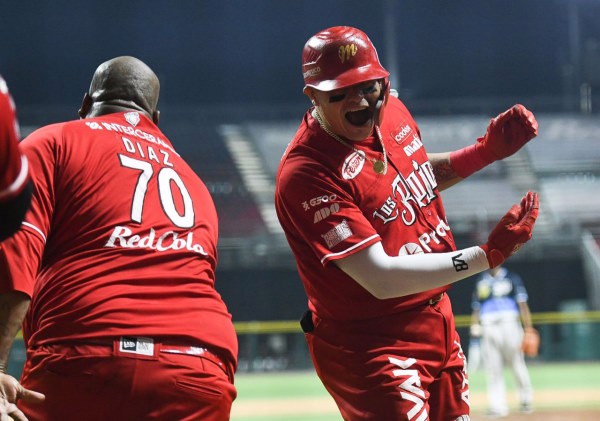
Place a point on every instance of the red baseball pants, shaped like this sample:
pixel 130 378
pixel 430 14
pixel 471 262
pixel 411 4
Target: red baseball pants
pixel 407 366
pixel 91 382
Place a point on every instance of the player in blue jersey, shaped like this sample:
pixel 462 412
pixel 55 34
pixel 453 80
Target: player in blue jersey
pixel 500 317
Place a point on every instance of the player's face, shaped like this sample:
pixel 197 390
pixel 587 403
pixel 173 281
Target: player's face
pixel 350 111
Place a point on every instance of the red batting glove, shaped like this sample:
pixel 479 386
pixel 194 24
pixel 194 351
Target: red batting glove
pixel 505 135
pixel 513 230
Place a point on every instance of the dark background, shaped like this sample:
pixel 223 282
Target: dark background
pixel 248 52
pixel 219 57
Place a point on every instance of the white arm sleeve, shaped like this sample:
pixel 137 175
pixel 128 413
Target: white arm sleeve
pixel 396 276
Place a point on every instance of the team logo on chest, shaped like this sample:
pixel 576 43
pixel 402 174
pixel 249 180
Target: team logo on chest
pixel 415 191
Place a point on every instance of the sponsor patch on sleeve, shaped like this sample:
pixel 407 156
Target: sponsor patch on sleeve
pixel 337 234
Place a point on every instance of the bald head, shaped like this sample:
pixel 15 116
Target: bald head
pixel 122 84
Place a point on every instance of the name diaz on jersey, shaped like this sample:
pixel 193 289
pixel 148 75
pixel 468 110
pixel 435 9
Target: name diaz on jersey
pixel 138 159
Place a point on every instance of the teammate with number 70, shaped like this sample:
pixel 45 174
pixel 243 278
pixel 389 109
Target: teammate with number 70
pixel 359 200
pixel 113 271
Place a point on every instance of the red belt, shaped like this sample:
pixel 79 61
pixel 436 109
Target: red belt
pixel 142 347
pixel 194 351
pixel 148 349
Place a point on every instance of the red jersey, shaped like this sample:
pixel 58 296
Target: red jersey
pixel 13 167
pixel 121 239
pixel 331 203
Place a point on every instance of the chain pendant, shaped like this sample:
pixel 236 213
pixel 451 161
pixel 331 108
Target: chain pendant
pixel 378 166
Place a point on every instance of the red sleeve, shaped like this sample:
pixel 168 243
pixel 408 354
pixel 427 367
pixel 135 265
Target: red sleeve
pixel 39 148
pixel 20 256
pixel 322 213
pixel 13 175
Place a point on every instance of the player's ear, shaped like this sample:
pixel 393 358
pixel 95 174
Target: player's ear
pixel 310 93
pixel 156 116
pixel 86 106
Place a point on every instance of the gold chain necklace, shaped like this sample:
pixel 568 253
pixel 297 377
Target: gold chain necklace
pixel 380 167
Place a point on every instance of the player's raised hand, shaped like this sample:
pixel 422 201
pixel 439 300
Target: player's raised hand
pixel 513 230
pixel 507 133
pixel 10 391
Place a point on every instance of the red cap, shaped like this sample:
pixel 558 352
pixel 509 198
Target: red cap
pixel 338 57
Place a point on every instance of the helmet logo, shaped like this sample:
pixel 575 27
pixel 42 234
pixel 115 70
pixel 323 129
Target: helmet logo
pixel 347 51
pixel 311 72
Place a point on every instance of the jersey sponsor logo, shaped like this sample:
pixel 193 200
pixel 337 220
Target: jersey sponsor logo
pixel 123 237
pixel 337 234
pixel 417 190
pixel 346 52
pixel 132 118
pixel 131 131
pixel 404 131
pixel 410 389
pixel 425 239
pixel 316 201
pixel 410 248
pixel 353 165
pixel 324 213
pixel 414 146
pixel 441 230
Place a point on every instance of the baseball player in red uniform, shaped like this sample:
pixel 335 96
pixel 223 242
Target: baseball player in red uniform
pixel 118 255
pixel 359 200
pixel 15 195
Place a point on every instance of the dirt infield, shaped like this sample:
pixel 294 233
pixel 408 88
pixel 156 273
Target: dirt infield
pixel 555 415
pixel 551 405
pixel 311 407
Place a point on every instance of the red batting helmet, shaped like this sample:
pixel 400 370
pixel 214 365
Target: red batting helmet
pixel 338 57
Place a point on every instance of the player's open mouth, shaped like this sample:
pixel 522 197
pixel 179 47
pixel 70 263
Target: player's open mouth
pixel 360 117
